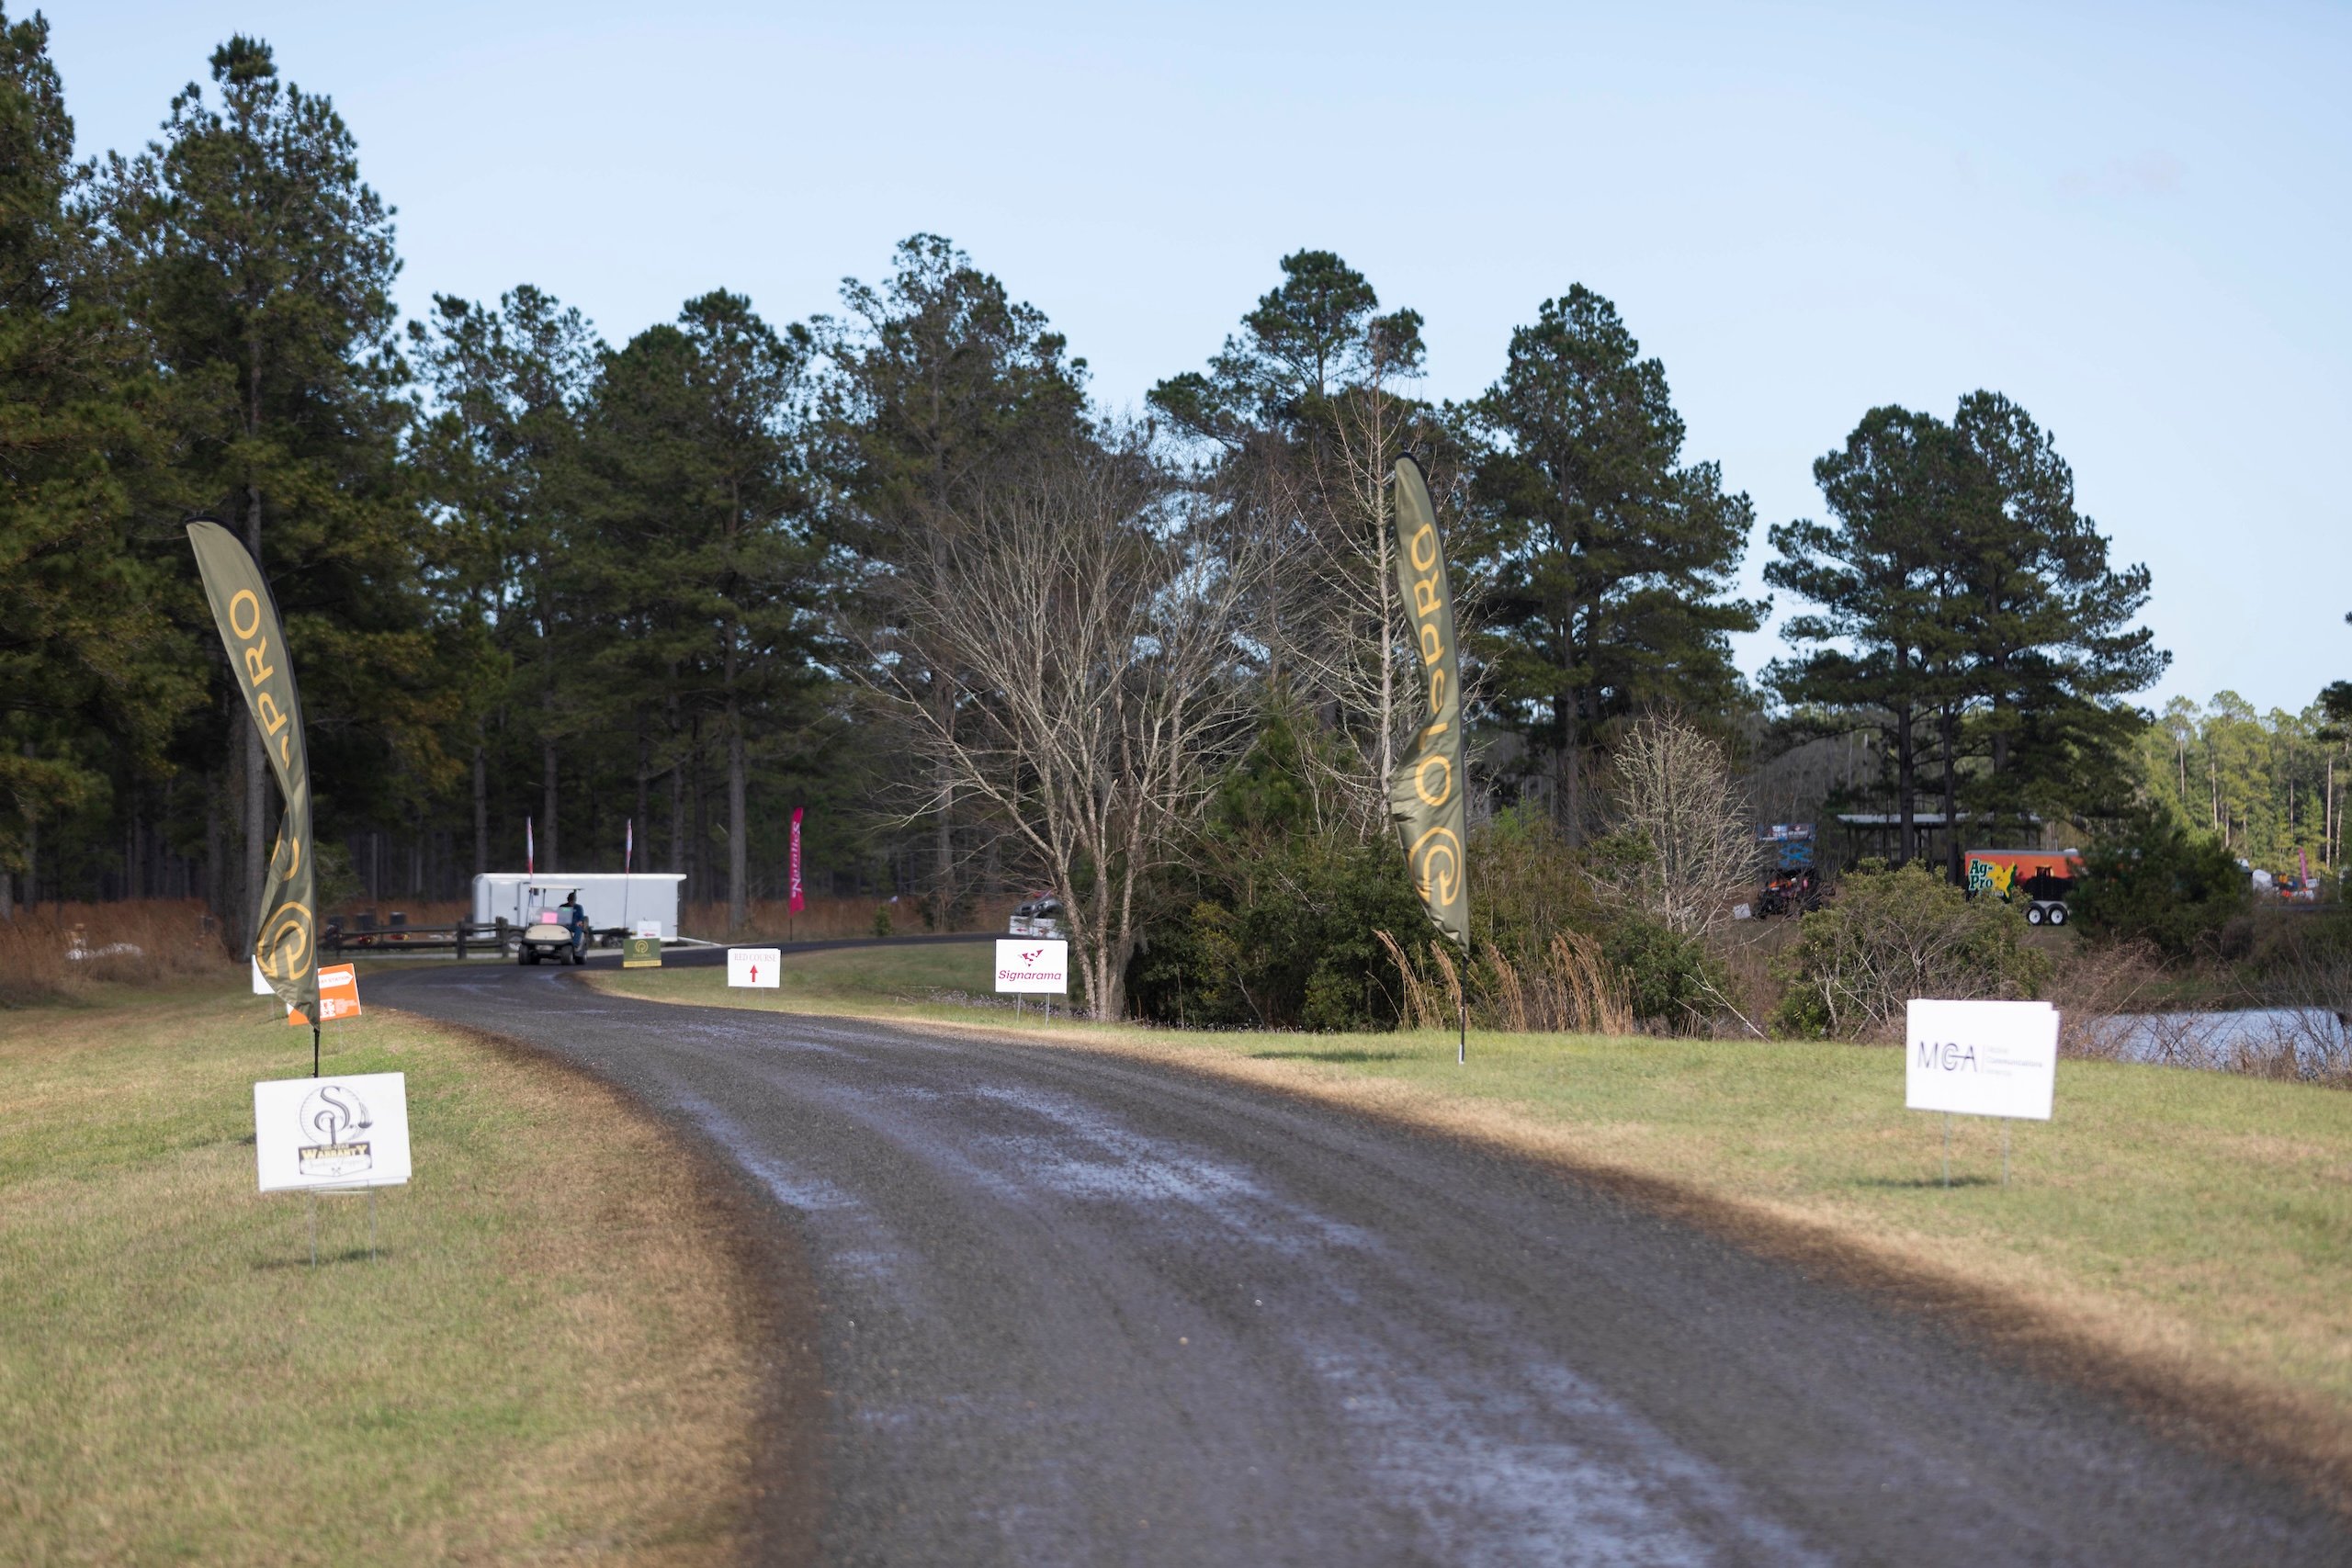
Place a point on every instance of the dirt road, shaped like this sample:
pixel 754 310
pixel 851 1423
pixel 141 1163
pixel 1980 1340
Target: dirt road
pixel 1076 1310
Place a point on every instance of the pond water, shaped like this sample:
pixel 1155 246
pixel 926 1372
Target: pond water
pixel 2316 1041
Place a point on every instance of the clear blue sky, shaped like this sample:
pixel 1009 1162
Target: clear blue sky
pixel 2133 220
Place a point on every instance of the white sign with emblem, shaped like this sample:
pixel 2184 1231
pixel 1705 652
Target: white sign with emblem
pixel 312 1134
pixel 1032 967
pixel 1981 1059
pixel 759 966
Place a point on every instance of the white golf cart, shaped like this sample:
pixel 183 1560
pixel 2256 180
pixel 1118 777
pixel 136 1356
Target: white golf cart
pixel 545 938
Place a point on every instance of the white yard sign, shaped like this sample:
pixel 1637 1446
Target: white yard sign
pixel 262 988
pixel 1032 966
pixel 760 967
pixel 1981 1059
pixel 332 1132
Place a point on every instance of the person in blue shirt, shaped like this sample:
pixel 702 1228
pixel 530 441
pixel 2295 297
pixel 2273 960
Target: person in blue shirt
pixel 576 918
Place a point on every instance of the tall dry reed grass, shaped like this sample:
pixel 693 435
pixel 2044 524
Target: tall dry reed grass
pixel 1574 990
pixel 63 952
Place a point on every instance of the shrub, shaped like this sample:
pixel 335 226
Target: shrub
pixel 1292 947
pixel 2160 883
pixel 1670 978
pixel 1893 935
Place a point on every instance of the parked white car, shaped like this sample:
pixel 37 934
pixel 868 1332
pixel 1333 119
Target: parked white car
pixel 1039 916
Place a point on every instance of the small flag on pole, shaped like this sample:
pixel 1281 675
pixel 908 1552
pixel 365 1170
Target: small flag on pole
pixel 530 862
pixel 628 844
pixel 796 903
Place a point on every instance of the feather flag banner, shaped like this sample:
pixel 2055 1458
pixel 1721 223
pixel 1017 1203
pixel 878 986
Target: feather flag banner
pixel 1425 795
pixel 285 947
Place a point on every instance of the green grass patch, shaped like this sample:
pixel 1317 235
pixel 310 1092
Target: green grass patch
pixel 547 1361
pixel 2202 1218
pixel 917 980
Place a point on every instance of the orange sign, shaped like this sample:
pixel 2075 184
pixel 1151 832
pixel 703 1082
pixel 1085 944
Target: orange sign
pixel 338 996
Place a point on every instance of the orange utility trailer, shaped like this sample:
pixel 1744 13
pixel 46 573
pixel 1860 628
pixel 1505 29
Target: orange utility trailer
pixel 2042 878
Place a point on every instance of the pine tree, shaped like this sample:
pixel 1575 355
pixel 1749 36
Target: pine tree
pixel 1606 561
pixel 92 671
pixel 1964 604
pixel 500 460
pixel 261 265
pixel 1882 575
pixel 936 385
pixel 1305 413
pixel 702 544
pixel 2048 629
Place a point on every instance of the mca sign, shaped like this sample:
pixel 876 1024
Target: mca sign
pixel 1032 967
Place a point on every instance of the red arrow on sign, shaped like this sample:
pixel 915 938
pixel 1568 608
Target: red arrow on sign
pixel 755 973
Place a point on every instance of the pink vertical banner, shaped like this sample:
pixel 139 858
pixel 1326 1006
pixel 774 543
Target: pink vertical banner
pixel 795 906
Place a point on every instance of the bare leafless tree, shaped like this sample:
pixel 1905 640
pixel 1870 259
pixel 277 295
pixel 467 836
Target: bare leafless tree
pixel 1102 635
pixel 1694 848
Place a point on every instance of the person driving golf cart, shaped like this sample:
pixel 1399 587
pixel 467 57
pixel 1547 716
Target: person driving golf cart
pixel 575 919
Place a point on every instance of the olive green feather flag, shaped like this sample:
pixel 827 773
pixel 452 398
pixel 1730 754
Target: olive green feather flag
pixel 247 616
pixel 1426 791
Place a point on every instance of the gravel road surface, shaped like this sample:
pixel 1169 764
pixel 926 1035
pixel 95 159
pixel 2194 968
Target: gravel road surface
pixel 1078 1310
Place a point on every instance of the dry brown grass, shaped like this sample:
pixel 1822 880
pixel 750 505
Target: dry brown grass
pixel 829 918
pixel 59 952
pixel 560 1357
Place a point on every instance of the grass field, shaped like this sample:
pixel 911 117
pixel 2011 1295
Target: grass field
pixel 2198 1224
pixel 547 1364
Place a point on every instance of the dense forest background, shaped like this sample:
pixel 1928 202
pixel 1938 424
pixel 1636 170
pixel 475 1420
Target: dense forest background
pixel 680 585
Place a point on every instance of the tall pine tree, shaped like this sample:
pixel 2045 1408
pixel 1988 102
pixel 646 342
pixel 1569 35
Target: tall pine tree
pixel 1304 413
pixel 703 540
pixel 1967 610
pixel 1605 561
pixel 261 267
pixel 92 671
pixel 936 384
pixel 500 459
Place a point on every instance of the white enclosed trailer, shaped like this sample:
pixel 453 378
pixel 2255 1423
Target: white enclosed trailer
pixel 612 900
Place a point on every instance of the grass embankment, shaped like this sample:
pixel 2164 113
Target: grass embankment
pixel 2189 1232
pixel 548 1362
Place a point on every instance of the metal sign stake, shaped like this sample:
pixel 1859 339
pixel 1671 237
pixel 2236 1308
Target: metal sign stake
pixel 1947 1148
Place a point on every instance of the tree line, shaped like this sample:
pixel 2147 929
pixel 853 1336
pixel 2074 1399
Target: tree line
pixel 2272 787
pixel 896 563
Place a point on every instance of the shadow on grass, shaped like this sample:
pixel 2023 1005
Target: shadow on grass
pixel 302 1260
pixel 1329 1055
pixel 1915 1183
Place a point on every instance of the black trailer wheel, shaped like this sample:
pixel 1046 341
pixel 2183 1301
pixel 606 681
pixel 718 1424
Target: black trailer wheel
pixel 2057 914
